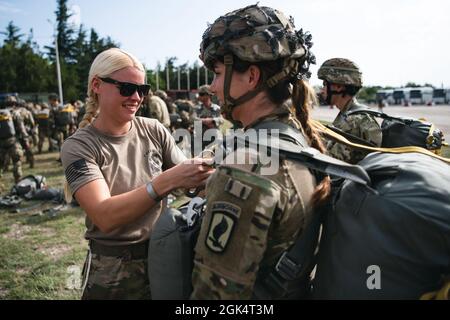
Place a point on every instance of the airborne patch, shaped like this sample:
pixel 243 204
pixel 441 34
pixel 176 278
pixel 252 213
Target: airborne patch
pixel 223 220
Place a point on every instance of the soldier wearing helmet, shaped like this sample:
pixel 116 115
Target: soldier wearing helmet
pixel 259 61
pixel 342 80
pixel 154 107
pixel 11 130
pixel 207 112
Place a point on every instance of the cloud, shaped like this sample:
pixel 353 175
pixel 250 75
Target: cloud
pixel 76 15
pixel 6 7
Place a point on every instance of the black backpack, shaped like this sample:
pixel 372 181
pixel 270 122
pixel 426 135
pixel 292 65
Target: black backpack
pixel 402 131
pixel 391 238
pixel 7 129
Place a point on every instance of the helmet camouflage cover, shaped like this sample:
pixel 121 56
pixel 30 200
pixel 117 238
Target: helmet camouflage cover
pixel 205 89
pixel 256 34
pixel 340 71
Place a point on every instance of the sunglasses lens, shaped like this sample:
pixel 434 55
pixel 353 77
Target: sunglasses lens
pixel 127 89
pixel 144 89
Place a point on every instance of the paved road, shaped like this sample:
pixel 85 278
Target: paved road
pixel 439 114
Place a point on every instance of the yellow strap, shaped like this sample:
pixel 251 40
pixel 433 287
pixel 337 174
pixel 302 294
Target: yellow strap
pixel 441 294
pixel 321 128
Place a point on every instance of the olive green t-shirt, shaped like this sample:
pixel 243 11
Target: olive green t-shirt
pixel 125 162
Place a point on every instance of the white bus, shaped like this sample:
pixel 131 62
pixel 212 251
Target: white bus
pixel 440 96
pixel 385 96
pixel 421 95
pixel 401 96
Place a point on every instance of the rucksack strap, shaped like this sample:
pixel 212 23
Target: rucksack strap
pixel 335 136
pixel 286 132
pixel 378 114
pixel 308 156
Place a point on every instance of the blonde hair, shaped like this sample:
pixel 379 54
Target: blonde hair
pixel 106 63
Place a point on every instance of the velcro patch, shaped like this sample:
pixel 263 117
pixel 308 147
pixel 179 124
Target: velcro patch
pixel 238 189
pixel 224 216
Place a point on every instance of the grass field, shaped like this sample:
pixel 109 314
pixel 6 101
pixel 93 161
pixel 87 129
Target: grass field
pixel 41 256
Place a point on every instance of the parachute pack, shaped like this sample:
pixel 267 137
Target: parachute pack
pixel 64 116
pixel 7 129
pixel 391 238
pixel 391 211
pixel 402 131
pixel 43 117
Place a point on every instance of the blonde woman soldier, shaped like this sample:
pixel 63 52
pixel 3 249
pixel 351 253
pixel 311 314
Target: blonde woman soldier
pixel 118 168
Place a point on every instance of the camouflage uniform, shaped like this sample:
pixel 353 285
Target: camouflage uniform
pixel 10 147
pixel 27 141
pixel 243 235
pixel 113 277
pixel 157 109
pixel 251 218
pixel 360 125
pixel 45 123
pixel 345 72
pixel 201 111
pixel 171 107
pixel 63 128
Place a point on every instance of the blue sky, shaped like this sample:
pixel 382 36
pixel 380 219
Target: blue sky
pixel 393 41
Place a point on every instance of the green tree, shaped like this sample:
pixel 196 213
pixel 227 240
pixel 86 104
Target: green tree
pixel 13 37
pixel 24 68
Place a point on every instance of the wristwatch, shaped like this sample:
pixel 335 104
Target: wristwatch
pixel 152 193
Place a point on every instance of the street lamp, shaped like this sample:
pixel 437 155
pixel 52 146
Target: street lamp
pixel 58 68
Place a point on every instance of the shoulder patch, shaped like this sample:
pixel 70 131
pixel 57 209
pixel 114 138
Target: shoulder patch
pixel 75 170
pixel 224 216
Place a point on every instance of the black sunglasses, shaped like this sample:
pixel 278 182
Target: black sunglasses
pixel 126 89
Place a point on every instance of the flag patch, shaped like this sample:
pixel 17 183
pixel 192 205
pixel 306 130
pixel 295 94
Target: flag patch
pixel 75 170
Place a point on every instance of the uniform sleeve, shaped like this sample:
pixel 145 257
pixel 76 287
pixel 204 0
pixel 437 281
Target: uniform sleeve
pixel 370 130
pixel 234 234
pixel 362 126
pixel 79 163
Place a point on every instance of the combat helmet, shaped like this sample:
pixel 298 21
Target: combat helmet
pixel 160 93
pixel 205 89
pixel 256 34
pixel 10 101
pixel 340 71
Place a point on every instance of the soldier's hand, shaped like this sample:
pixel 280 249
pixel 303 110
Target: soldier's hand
pixel 191 173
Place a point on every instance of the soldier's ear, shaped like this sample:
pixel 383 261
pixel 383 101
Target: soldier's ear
pixel 254 74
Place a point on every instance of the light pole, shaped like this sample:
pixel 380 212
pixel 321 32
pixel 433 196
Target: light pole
pixel 58 67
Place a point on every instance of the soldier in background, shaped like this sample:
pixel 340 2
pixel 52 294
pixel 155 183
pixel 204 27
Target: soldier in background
pixel 81 110
pixel 53 102
pixel 342 80
pixel 33 108
pixel 11 130
pixel 207 112
pixel 65 118
pixel 154 107
pixel 30 127
pixel 171 107
pixel 43 119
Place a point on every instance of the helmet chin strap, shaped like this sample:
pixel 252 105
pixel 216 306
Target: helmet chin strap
pixel 290 70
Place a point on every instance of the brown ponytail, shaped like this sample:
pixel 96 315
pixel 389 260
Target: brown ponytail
pixel 303 98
